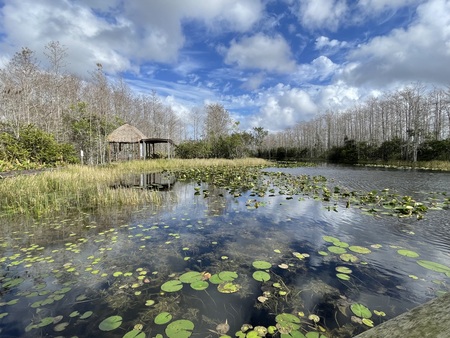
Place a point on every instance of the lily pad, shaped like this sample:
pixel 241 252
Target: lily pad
pixel 360 310
pixel 228 287
pixel 110 323
pixel 86 315
pixel 191 277
pixel 408 253
pixel 286 323
pixel 134 334
pixel 343 276
pixel 336 250
pixel 434 266
pixel 200 285
pixel 163 318
pixel 343 269
pixel 330 239
pixel 181 328
pixel 228 276
pixel 261 276
pixel 359 249
pixel 315 334
pixel 172 286
pixel 215 279
pixel 261 265
pixel 349 258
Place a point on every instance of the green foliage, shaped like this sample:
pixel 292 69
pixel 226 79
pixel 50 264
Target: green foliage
pixel 434 150
pixel 193 149
pixel 88 130
pixel 34 146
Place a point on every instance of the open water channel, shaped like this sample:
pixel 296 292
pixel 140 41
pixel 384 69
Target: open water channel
pixel 210 260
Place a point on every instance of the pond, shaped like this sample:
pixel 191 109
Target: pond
pixel 320 251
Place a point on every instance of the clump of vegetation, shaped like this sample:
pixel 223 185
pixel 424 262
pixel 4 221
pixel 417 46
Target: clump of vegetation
pixel 33 148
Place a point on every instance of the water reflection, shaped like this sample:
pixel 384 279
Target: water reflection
pixel 159 181
pixel 113 262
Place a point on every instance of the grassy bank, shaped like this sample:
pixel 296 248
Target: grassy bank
pixel 87 188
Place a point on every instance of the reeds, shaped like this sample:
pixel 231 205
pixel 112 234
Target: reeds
pixel 88 188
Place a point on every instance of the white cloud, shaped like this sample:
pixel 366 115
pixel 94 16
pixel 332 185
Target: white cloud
pixel 382 5
pixel 321 68
pixel 119 34
pixel 282 107
pixel 421 52
pixel 261 52
pixel 314 14
pixel 323 42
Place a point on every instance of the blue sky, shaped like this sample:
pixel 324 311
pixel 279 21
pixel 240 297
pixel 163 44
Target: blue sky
pixel 270 63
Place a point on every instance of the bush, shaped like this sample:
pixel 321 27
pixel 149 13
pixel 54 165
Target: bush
pixel 35 146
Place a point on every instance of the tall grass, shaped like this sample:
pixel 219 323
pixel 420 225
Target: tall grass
pixel 87 188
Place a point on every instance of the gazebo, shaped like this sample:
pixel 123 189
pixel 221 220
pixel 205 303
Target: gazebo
pixel 129 143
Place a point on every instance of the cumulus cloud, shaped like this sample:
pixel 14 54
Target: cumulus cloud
pixel 283 106
pixel 261 52
pixel 118 34
pixel 420 52
pixel 322 13
pixel 320 69
pixel 323 42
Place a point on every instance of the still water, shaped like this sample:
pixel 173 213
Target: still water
pixel 64 276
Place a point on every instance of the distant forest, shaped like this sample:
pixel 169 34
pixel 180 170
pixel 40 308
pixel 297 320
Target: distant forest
pixel 48 115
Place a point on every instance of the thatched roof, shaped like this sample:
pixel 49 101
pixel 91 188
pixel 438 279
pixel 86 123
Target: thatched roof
pixel 126 134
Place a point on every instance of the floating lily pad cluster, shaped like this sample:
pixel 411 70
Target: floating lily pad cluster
pixel 263 183
pixel 261 275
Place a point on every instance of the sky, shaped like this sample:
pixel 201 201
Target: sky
pixel 270 63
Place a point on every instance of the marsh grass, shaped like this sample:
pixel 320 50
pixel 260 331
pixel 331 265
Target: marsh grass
pixel 85 188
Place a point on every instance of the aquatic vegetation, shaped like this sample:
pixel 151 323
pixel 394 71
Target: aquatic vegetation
pixel 132 266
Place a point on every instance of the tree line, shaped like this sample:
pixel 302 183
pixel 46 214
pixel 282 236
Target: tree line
pixel 74 114
pixel 409 124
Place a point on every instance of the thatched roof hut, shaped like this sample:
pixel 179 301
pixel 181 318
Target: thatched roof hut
pixel 128 142
pixel 126 134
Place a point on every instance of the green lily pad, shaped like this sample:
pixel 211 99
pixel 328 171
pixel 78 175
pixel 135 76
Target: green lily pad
pixel 359 249
pixel 261 276
pixel 434 266
pixel 214 279
pixel 61 326
pixel 315 334
pixel 349 258
pixel 110 323
pixel 228 276
pixel 86 315
pixel 200 285
pixel 191 277
pixel 343 276
pixel 336 250
pixel 330 239
pixel 134 334
pixel 228 287
pixel 172 286
pixel 181 328
pixel 343 269
pixel 408 253
pixel 163 318
pixel 341 244
pixel 45 321
pixel 261 265
pixel 287 323
pixel 360 310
